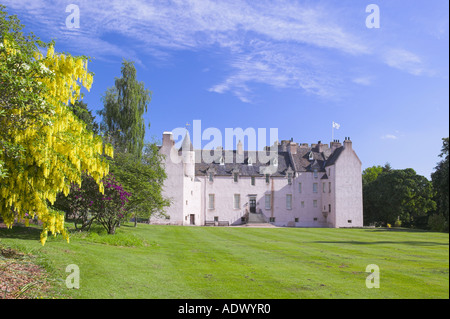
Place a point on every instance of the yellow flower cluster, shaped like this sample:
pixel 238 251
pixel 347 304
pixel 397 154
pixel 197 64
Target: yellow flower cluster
pixel 9 47
pixel 56 155
pixel 68 71
pixel 53 222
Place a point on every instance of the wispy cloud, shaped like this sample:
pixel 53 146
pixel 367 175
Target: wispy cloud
pixel 404 60
pixel 363 80
pixel 282 44
pixel 389 137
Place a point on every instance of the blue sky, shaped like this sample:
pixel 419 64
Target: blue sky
pixel 292 65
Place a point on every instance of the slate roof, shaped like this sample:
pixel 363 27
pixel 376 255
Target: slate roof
pixel 244 169
pixel 299 162
pixel 306 159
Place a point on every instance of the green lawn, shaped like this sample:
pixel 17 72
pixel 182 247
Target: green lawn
pixel 236 262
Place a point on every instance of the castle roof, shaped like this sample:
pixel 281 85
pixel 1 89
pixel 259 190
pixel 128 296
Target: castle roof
pixel 301 158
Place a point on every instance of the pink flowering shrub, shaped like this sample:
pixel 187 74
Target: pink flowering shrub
pixel 88 204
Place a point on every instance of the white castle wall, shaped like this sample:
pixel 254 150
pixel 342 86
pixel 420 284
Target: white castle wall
pixel 189 194
pixel 348 188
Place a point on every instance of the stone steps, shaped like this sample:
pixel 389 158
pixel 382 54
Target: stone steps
pixel 264 225
pixel 257 220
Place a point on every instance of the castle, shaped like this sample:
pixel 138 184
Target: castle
pixel 301 185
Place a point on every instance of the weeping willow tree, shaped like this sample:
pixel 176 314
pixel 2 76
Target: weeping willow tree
pixel 124 106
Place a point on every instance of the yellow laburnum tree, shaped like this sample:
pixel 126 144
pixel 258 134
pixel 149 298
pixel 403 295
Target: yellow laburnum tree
pixel 44 147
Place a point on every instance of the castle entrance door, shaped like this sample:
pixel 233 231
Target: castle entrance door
pixel 252 204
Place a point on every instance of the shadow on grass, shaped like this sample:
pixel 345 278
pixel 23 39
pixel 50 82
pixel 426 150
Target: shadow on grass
pixel 21 232
pixel 403 230
pixel 383 242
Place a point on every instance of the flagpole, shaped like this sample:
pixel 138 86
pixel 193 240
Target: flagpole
pixel 332 132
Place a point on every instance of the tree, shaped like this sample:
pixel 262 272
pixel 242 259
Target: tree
pixel 370 174
pixel 80 110
pixel 144 179
pixel 44 146
pixel 124 105
pixel 440 181
pixel 398 194
pixel 137 165
pixel 107 208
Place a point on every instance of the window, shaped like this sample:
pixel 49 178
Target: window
pixel 315 173
pixel 211 204
pixel 253 181
pixel 315 219
pixel 221 161
pixel 235 177
pixel 211 177
pixel 324 187
pixel 237 201
pixel 299 187
pixel 296 219
pixel 329 208
pixel 349 221
pixel 268 201
pixel 267 179
pixel 288 201
pixel 303 204
pixel 315 188
pixel 250 161
pixel 216 218
pixel 272 219
pixel 290 178
pixel 329 187
pixel 314 203
pixel 311 156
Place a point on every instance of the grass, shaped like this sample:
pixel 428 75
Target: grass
pixel 173 262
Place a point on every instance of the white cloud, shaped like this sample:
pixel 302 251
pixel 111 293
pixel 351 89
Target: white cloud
pixel 282 44
pixel 273 64
pixel 405 61
pixel 389 137
pixel 363 80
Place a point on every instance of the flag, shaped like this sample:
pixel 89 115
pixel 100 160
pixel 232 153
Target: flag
pixel 336 125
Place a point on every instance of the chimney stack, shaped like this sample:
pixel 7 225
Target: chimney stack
pixel 168 139
pixel 293 148
pixel 335 144
pixel 348 143
pixel 320 146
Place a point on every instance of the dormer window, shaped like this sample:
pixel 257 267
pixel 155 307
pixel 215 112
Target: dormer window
pixel 235 173
pixel 289 176
pixel 250 161
pixel 210 173
pixel 221 161
pixel 311 156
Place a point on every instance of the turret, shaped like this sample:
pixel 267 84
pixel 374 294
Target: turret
pixel 188 154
